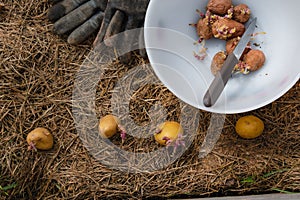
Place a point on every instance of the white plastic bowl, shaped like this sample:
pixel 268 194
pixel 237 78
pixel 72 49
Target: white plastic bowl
pixel 169 43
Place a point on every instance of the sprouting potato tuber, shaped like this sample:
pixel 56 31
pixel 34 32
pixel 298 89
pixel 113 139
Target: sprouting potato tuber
pixel 109 125
pixel 241 13
pixel 204 29
pixel 40 138
pixel 168 132
pixel 217 62
pixel 231 44
pixel 254 59
pixel 219 7
pixel 225 29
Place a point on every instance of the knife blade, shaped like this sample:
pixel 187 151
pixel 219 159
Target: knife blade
pixel 222 77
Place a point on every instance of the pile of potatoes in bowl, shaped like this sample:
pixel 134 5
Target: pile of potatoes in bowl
pixel 226 21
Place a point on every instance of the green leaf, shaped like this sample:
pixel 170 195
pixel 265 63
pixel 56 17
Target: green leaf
pixel 274 172
pixel 8 187
pixel 282 191
pixel 248 180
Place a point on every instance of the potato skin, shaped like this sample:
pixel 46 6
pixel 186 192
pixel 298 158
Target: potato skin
pixel 40 138
pixel 254 59
pixel 204 29
pixel 225 29
pixel 169 129
pixel 249 127
pixel 241 13
pixel 217 62
pixel 108 126
pixel 231 44
pixel 219 7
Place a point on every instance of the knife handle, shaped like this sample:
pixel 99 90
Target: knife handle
pixel 220 80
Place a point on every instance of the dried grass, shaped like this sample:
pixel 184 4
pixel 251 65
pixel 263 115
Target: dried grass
pixel 37 74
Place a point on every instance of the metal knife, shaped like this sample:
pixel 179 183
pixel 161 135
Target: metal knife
pixel 221 78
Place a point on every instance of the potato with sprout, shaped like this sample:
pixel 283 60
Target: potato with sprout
pixel 204 29
pixel 241 13
pixel 40 138
pixel 225 29
pixel 219 7
pixel 232 43
pixel 109 125
pixel 168 132
pixel 217 62
pixel 254 59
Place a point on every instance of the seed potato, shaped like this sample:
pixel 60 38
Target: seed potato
pixel 108 126
pixel 204 29
pixel 249 127
pixel 40 138
pixel 217 62
pixel 225 29
pixel 219 7
pixel 168 132
pixel 255 59
pixel 241 13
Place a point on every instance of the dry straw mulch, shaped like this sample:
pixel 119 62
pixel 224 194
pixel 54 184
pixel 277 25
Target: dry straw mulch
pixel 37 73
